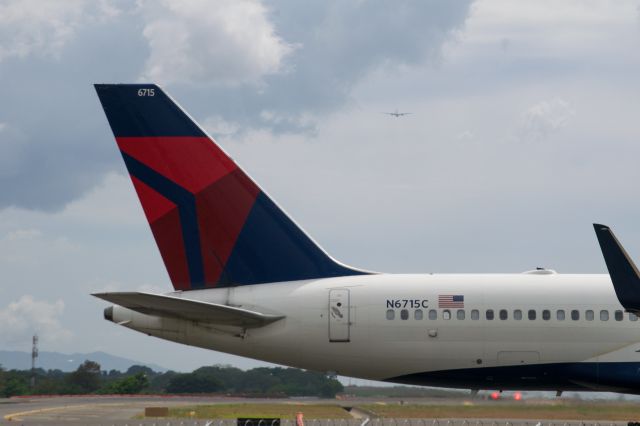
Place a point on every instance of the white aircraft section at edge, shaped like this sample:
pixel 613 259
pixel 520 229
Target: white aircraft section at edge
pixel 379 348
pixel 251 283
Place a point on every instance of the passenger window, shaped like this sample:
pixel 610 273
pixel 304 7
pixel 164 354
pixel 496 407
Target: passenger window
pixel 460 314
pixel 618 315
pixel 446 314
pixel 517 314
pixel 489 314
pixel 546 315
pixel 633 317
pixel 560 315
pixel 531 314
pixel 575 315
pixel 604 315
pixel 404 314
pixel 433 314
pixel 475 314
pixel 391 314
pixel 418 314
pixel 589 315
pixel 503 314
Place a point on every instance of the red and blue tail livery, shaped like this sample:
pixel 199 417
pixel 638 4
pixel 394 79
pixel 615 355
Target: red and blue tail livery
pixel 213 225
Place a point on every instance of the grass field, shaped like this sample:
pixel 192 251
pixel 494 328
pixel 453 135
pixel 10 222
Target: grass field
pixel 551 411
pixel 283 411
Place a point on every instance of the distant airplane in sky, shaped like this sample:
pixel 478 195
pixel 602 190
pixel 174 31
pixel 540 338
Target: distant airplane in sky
pixel 397 114
pixel 250 282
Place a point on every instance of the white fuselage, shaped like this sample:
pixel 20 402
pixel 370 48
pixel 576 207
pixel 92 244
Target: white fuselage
pixel 343 325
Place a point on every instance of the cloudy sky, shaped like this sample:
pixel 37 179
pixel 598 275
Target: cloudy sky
pixel 524 131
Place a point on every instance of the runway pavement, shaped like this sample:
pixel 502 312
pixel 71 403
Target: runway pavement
pixel 91 410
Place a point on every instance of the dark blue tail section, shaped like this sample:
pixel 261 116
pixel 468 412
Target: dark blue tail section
pixel 255 258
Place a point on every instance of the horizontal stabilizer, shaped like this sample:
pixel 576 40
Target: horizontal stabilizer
pixel 624 273
pixel 192 310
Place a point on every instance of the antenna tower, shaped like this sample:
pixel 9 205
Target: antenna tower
pixel 34 355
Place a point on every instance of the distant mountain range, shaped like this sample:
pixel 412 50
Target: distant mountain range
pixel 16 360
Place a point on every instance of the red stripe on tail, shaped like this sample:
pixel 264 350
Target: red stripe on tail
pixel 194 163
pixel 222 211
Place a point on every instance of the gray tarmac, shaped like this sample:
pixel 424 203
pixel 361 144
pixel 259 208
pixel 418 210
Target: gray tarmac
pixel 90 410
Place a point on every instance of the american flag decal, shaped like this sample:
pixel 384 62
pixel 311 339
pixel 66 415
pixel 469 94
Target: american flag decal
pixel 450 301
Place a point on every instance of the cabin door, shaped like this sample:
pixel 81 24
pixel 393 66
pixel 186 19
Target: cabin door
pixel 339 315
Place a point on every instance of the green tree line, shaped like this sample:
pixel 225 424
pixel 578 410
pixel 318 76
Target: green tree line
pixel 88 378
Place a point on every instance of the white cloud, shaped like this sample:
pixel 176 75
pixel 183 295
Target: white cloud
pixel 28 26
pixel 107 9
pixel 112 202
pixel 23 234
pixel 28 247
pixel 44 27
pixel 544 118
pixel 227 43
pixel 567 30
pixel 26 316
pixel 218 127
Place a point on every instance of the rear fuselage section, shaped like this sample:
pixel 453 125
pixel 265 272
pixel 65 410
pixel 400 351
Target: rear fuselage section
pixel 498 331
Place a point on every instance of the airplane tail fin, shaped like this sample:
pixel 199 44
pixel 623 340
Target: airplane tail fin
pixel 213 225
pixel 623 272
